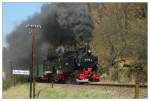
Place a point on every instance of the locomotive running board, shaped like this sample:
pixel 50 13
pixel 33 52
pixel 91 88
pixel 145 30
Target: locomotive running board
pixel 86 80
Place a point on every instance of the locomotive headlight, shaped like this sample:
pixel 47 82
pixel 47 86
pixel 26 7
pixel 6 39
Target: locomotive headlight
pixel 66 63
pixel 89 51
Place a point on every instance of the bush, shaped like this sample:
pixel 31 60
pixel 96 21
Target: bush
pixel 9 82
pixel 100 69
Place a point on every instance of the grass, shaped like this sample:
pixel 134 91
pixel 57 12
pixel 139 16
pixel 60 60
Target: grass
pixel 59 91
pixel 7 83
pixel 65 93
pixel 68 91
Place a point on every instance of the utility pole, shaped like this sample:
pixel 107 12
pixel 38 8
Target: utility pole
pixel 32 70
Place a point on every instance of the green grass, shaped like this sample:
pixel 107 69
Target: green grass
pixel 7 83
pixel 64 93
pixel 59 91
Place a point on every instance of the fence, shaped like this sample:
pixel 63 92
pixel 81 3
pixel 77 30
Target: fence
pixel 136 86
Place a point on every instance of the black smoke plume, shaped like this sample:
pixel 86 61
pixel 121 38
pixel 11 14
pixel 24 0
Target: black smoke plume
pixel 62 24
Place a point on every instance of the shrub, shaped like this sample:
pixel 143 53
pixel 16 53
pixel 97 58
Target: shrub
pixel 7 83
pixel 100 69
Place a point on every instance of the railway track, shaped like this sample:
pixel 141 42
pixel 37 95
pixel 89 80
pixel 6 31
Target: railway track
pixel 105 84
pixel 116 90
pixel 115 84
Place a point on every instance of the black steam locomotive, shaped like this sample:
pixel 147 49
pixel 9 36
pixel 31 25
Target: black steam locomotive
pixel 72 66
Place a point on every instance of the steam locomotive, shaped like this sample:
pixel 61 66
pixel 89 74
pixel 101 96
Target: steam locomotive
pixel 79 66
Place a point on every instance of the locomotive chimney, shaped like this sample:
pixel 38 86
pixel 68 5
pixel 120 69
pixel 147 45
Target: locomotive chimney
pixel 87 47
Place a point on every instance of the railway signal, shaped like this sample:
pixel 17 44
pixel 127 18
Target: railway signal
pixel 32 28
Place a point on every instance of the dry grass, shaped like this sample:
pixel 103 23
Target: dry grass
pixel 69 91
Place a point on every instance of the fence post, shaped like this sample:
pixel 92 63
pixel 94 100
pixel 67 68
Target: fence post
pixel 137 89
pixel 14 80
pixel 52 84
pixel 12 75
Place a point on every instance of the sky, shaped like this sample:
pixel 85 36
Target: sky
pixel 15 13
